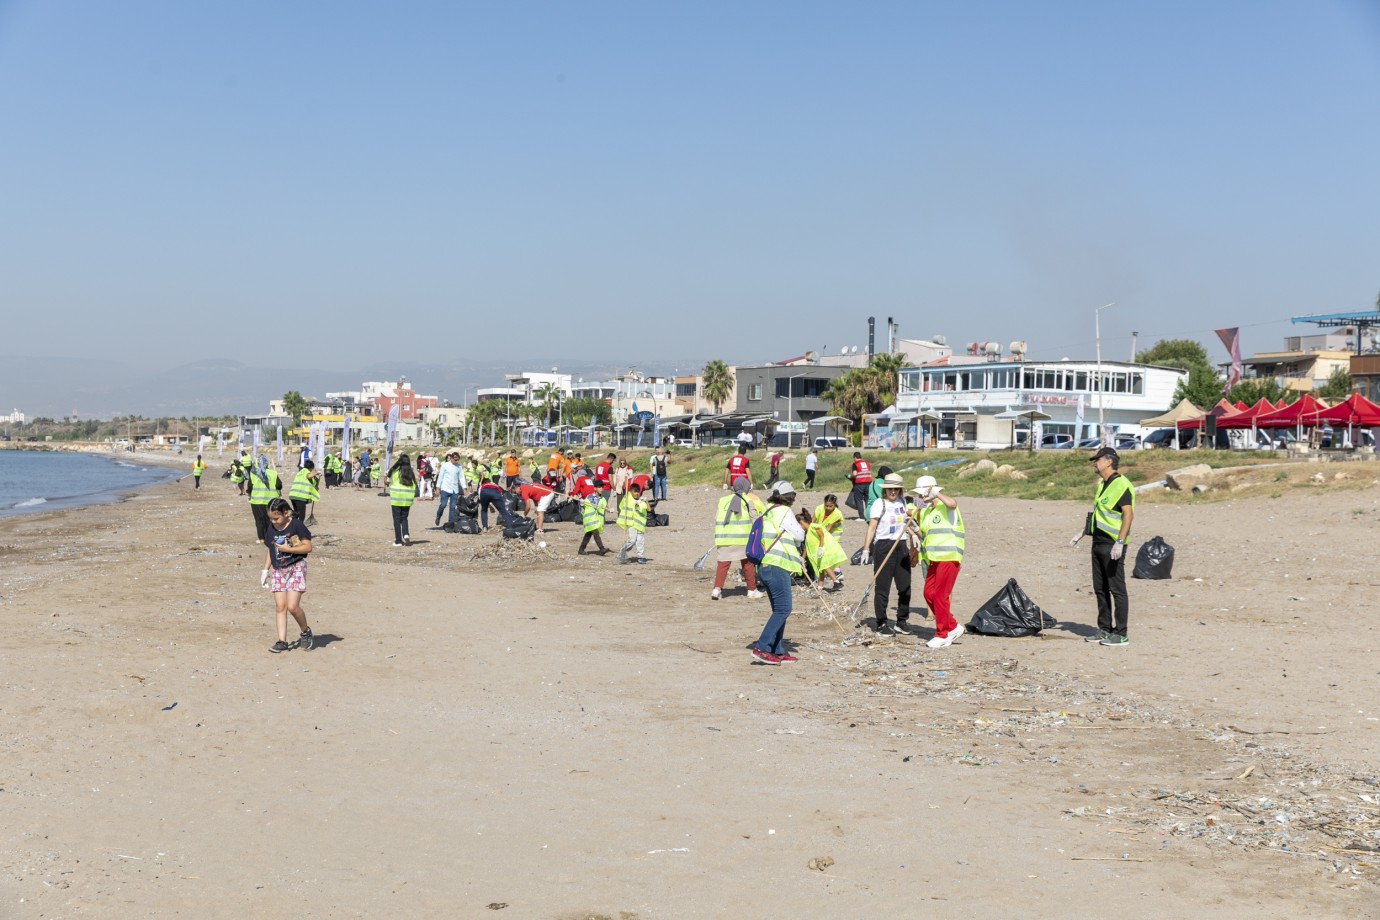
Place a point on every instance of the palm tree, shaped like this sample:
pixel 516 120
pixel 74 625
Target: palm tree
pixel 550 395
pixel 887 372
pixel 718 383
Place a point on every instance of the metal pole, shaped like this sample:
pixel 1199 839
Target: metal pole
pixel 1101 384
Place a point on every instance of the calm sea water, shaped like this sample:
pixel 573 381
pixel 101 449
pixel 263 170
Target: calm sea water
pixel 44 481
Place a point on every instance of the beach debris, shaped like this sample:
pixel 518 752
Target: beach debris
pixel 820 863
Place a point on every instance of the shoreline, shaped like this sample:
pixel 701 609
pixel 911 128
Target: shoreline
pixel 100 496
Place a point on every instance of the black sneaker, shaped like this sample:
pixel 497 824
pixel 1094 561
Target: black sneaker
pixel 304 641
pixel 885 629
pixel 903 627
pixel 280 647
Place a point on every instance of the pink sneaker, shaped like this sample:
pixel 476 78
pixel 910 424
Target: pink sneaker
pixel 765 657
pixel 786 657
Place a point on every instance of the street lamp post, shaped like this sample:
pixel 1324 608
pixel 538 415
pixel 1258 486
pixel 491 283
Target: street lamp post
pixel 1101 384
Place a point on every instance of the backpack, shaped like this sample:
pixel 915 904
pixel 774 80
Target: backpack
pixel 754 550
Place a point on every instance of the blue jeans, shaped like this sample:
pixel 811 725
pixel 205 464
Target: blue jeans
pixel 489 497
pixel 448 498
pixel 777 583
pixel 658 487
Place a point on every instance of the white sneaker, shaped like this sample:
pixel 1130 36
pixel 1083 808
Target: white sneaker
pixel 716 594
pixel 937 642
pixel 755 594
pixel 958 631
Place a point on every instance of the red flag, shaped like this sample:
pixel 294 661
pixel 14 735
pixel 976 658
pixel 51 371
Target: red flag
pixel 1232 339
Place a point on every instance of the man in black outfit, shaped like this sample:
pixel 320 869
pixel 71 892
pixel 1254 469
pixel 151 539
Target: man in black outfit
pixel 1113 508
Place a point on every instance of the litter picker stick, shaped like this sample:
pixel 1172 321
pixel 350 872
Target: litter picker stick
pixel 699 564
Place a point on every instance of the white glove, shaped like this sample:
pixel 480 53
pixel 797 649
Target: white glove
pixel 1074 541
pixel 867 557
pixel 263 579
pixel 1118 549
pixel 725 487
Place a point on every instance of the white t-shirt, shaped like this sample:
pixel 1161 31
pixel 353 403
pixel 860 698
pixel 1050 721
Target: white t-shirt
pixel 811 460
pixel 890 518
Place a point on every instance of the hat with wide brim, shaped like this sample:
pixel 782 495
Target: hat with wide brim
pixel 893 481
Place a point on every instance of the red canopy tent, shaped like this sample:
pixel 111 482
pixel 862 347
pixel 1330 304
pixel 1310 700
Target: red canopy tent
pixel 1297 414
pixel 1246 418
pixel 1354 410
pixel 1222 410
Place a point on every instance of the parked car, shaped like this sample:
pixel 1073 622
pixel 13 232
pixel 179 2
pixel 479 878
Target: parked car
pixel 1056 442
pixel 830 443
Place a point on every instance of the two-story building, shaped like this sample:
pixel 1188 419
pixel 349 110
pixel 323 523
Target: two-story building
pixel 980 405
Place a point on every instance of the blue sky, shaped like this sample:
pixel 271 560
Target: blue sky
pixel 646 182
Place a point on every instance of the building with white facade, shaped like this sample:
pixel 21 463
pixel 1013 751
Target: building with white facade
pixel 979 405
pixel 14 418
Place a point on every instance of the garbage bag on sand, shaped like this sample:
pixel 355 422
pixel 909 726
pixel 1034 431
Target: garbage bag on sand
pixel 1010 613
pixel 1155 560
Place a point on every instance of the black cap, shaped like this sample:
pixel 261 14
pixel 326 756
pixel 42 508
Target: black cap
pixel 1106 452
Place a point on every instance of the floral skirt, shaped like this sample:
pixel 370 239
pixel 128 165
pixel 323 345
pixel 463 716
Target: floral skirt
pixel 292 578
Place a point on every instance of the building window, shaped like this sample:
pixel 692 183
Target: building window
pixel 685 390
pixel 754 392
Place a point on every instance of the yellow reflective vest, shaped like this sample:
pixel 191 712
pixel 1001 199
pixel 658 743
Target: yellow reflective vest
pixel 304 488
pixel 784 553
pixel 732 529
pixel 400 495
pixel 263 486
pixel 632 513
pixel 942 534
pixel 1106 516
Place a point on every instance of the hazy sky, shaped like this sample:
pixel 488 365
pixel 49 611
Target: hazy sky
pixel 695 180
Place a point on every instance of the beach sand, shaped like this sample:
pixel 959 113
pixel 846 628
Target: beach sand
pixel 545 735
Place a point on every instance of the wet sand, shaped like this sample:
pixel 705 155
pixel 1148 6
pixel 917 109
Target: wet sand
pixel 572 738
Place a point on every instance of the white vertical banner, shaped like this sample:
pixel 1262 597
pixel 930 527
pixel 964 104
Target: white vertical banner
pixel 280 445
pixel 345 438
pixel 258 443
pixel 201 444
pixel 1078 435
pixel 392 432
pixel 220 443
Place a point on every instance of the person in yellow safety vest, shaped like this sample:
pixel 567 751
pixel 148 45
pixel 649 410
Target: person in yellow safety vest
pixel 942 544
pixel 304 491
pixel 830 518
pixel 375 468
pixel 264 486
pixel 402 491
pixel 592 509
pixel 782 538
pixel 632 517
pixel 197 469
pixel 237 476
pixel 732 523
pixel 823 555
pixel 1114 507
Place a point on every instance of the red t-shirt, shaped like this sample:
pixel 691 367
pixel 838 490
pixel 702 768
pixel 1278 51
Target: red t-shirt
pixel 601 474
pixel 533 493
pixel 862 473
pixel 737 466
pixel 583 486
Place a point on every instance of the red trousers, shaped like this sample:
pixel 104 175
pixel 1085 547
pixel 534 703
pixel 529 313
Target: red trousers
pixel 939 585
pixel 749 574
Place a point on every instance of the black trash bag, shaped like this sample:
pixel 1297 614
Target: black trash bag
pixel 1155 560
pixel 513 501
pixel 225 475
pixel 570 512
pixel 468 505
pixel 658 520
pixel 1010 613
pixel 521 529
pixel 467 525
pixel 857 557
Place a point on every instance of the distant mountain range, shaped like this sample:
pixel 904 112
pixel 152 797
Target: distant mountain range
pixel 56 387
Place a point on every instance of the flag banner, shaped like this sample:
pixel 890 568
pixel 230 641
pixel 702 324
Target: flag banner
pixel 280 445
pixel 258 443
pixel 1079 419
pixel 220 443
pixel 201 444
pixel 493 428
pixel 391 431
pixel 591 431
pixel 469 431
pixel 345 438
pixel 1231 338
pixel 656 430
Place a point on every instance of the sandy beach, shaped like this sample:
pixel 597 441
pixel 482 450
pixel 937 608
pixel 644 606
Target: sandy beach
pixel 517 732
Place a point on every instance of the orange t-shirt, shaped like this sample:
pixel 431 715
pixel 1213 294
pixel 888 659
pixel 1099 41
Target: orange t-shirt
pixel 511 466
